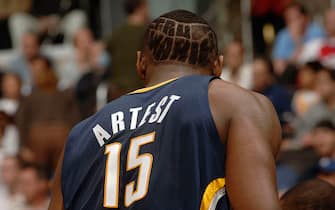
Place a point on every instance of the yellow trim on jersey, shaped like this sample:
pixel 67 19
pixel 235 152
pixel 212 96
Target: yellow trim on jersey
pixel 143 90
pixel 211 190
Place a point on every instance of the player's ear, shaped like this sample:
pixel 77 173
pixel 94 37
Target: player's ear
pixel 141 65
pixel 218 65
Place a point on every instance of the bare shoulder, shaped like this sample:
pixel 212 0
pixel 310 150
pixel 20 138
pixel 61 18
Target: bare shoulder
pixel 235 99
pixel 228 101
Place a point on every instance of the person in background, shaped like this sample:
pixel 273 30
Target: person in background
pixel 314 194
pixel 33 181
pixel 322 49
pixel 264 83
pixel 10 198
pixel 9 135
pixel 325 108
pixel 305 96
pixel 123 44
pixel 89 53
pixel 92 61
pixel 21 64
pixel 52 19
pixel 49 110
pixel 9 102
pixel 322 140
pixel 299 30
pixel 7 9
pixel 85 56
pixel 11 85
pixel 265 12
pixel 236 70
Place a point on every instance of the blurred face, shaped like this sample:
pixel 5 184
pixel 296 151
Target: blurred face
pixel 43 76
pixel 39 67
pixel 261 75
pixel 234 56
pixel 306 78
pixel 324 141
pixel 30 46
pixel 11 86
pixel 295 21
pixel 145 10
pixel 325 86
pixel 31 186
pixel 9 171
pixel 330 22
pixel 84 39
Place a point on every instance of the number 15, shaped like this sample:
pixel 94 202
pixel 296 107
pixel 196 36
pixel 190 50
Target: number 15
pixel 134 160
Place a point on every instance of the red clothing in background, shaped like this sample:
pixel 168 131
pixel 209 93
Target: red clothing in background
pixel 262 7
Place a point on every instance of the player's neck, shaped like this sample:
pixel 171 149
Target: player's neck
pixel 165 72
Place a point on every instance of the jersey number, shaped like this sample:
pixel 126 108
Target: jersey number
pixel 134 160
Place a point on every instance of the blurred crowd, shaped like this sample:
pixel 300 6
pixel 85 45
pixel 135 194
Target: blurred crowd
pixel 55 73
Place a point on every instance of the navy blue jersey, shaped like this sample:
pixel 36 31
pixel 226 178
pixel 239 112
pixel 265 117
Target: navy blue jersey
pixel 154 149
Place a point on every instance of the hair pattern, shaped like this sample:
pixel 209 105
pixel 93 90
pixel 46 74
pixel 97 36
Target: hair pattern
pixel 181 36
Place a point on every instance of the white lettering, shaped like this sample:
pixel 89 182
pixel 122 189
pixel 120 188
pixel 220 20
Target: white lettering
pixel 158 110
pixel 118 122
pixel 101 135
pixel 173 98
pixel 146 114
pixel 134 115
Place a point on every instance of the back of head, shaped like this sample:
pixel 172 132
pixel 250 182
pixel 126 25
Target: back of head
pixel 181 37
pixel 310 195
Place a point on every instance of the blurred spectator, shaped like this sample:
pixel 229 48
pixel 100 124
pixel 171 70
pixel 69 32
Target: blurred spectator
pixel 9 135
pixel 86 90
pixel 51 19
pixel 7 8
pixel 323 141
pixel 49 110
pixel 22 63
pixel 322 49
pixel 123 44
pixel 306 95
pixel 85 55
pixel 11 90
pixel 92 61
pixel 236 71
pixel 264 83
pixel 299 30
pixel 10 197
pixel 33 181
pixel 310 195
pixel 264 13
pixel 325 87
pixel 90 54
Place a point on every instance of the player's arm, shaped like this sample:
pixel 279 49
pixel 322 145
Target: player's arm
pixel 56 202
pixel 252 136
pixel 252 145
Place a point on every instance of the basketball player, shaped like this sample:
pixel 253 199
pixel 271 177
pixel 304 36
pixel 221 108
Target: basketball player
pixel 187 141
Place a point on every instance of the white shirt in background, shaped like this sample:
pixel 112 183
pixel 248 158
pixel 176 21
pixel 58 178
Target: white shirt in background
pixel 243 77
